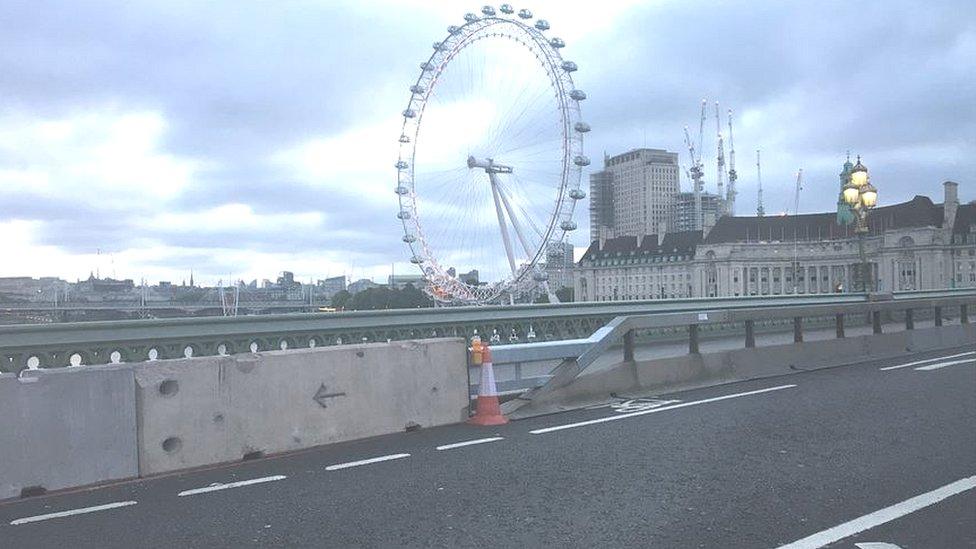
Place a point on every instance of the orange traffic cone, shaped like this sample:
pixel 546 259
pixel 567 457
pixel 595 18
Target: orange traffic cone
pixel 488 411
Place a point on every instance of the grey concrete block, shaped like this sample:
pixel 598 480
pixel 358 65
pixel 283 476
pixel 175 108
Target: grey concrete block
pixel 67 427
pixel 206 410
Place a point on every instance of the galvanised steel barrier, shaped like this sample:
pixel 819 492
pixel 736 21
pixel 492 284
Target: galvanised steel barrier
pixel 66 344
pixel 571 357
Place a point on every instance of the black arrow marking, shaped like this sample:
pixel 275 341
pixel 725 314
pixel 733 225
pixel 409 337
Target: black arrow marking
pixel 323 394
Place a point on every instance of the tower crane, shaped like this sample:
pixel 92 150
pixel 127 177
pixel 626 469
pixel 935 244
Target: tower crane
pixel 760 211
pixel 697 169
pixel 731 192
pixel 796 212
pixel 796 192
pixel 720 160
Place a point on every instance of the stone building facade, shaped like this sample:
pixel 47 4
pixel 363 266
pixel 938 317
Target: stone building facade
pixel 915 245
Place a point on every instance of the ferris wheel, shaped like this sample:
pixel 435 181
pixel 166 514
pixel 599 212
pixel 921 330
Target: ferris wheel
pixel 491 158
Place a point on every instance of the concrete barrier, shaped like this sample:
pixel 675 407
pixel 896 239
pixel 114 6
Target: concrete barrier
pixel 67 427
pixel 200 411
pixel 570 391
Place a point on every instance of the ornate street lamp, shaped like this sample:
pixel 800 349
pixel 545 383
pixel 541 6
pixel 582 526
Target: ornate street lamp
pixel 862 197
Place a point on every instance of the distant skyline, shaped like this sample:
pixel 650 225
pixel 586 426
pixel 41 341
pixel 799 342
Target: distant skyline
pixel 238 138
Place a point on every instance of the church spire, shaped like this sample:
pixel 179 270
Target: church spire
pixel 845 216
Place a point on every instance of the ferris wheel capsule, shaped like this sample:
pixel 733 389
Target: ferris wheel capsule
pixel 569 66
pixel 470 17
pixel 488 11
pixel 403 215
pixel 578 95
pixel 402 191
pixel 542 25
pixel 507 9
pixel 454 29
pixel 409 113
pixel 401 165
pixel 418 89
pixel 581 161
pixel 525 14
pixel 568 225
pixel 577 194
pixel 581 127
pixel 557 43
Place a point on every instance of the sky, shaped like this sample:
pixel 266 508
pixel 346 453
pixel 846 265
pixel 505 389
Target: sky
pixel 146 139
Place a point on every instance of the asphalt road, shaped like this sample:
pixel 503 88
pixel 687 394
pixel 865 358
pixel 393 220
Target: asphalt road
pixel 846 457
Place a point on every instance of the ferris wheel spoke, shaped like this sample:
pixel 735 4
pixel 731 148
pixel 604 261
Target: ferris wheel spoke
pixel 526 215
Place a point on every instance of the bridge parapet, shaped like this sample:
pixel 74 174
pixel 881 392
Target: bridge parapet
pixel 94 343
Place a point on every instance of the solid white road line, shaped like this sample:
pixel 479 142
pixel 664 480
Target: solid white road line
pixel 944 364
pixel 349 464
pixel 221 486
pixel 882 516
pixel 81 511
pixel 917 362
pixel 655 410
pixel 469 443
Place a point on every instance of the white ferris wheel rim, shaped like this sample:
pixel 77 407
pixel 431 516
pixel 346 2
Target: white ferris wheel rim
pixel 441 285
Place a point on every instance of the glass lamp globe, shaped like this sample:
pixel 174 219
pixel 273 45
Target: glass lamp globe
pixel 859 175
pixel 869 196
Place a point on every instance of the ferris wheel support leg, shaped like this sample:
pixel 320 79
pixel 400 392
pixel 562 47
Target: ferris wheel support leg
pixel 501 222
pixel 515 223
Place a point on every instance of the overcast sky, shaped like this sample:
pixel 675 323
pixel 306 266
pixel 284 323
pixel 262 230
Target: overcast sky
pixel 239 139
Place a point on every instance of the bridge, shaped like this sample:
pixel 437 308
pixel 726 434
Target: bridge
pixel 73 311
pixel 807 421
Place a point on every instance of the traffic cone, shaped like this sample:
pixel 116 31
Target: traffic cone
pixel 488 411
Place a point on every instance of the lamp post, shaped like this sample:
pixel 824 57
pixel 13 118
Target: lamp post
pixel 861 196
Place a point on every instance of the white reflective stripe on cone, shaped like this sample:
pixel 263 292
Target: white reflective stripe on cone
pixel 487 387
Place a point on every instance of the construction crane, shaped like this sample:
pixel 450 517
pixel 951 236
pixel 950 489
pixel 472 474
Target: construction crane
pixel 796 192
pixel 796 212
pixel 720 160
pixel 697 170
pixel 731 192
pixel 760 211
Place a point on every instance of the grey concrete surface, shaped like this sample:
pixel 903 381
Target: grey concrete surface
pixel 201 411
pixel 756 471
pixel 65 428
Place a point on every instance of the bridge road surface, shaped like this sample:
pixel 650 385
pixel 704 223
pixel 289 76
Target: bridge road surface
pixel 847 457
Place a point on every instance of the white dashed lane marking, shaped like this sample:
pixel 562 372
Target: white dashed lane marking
pixel 655 410
pixel 926 361
pixel 81 511
pixel 938 365
pixel 349 464
pixel 882 516
pixel 469 443
pixel 221 486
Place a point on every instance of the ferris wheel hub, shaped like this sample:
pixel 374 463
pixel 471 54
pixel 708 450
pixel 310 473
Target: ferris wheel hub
pixel 489 165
